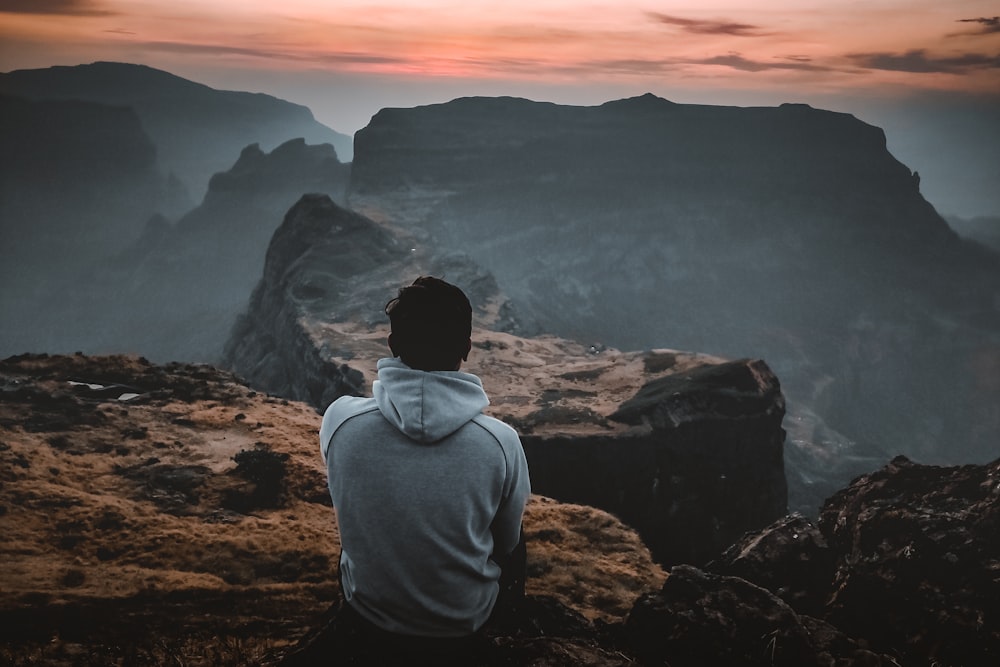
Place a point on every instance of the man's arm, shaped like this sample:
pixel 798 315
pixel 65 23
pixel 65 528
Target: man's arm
pixel 506 526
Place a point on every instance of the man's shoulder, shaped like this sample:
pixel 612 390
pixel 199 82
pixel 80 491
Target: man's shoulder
pixel 344 408
pixel 498 429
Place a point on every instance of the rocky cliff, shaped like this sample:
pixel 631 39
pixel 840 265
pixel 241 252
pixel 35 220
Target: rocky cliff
pixel 787 233
pixel 685 448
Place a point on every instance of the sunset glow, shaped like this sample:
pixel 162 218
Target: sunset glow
pixel 347 59
pixel 915 43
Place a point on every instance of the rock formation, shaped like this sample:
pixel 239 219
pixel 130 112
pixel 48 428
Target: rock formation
pixel 189 281
pixel 686 449
pixel 789 234
pixel 904 559
pixel 702 465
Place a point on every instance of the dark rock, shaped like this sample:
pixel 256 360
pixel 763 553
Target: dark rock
pixel 705 467
pixel 716 391
pixel 905 560
pixel 789 558
pixel 546 634
pixel 699 618
pixel 918 560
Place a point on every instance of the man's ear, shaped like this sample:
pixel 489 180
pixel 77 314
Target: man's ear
pixel 389 341
pixel 468 348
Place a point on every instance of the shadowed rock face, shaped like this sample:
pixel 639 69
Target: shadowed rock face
pixel 905 558
pixel 788 233
pixel 685 449
pixel 699 618
pixel 702 466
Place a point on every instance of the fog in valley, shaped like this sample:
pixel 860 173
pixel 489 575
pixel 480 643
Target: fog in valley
pixel 136 211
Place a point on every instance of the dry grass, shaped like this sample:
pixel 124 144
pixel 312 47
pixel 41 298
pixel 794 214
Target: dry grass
pixel 587 559
pixel 115 511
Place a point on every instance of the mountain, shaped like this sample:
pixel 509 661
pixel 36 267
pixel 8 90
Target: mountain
pixel 103 248
pixel 197 129
pixel 75 178
pixel 984 229
pixel 786 233
pixel 174 291
pixel 59 162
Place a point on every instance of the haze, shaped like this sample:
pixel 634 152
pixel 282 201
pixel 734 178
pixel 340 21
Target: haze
pixel 927 72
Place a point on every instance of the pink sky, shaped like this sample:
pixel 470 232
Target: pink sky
pixel 345 59
pixel 771 45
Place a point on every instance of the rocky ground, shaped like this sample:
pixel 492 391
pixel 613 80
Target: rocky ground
pixel 156 515
pixel 172 515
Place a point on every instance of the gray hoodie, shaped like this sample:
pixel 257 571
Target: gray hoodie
pixel 426 489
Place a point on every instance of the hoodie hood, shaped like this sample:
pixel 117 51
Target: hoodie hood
pixel 427 406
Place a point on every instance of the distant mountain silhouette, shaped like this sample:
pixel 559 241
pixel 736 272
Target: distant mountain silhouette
pixel 982 229
pixel 197 130
pixel 175 292
pixel 75 177
pixel 90 154
pixel 786 233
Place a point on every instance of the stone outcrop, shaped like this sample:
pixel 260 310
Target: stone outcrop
pixel 901 569
pixel 905 559
pixel 702 466
pixel 788 233
pixel 700 618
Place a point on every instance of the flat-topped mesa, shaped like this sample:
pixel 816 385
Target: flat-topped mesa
pixel 787 233
pixel 591 417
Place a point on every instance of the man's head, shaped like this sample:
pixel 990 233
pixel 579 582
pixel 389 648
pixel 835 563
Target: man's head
pixel 431 325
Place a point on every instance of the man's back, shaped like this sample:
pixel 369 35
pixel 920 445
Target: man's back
pixel 429 495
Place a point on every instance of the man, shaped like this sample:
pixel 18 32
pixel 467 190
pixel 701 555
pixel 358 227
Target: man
pixel 429 492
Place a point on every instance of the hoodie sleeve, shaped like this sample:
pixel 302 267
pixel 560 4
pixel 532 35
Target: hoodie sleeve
pixel 506 526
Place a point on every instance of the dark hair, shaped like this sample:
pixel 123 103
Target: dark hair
pixel 431 324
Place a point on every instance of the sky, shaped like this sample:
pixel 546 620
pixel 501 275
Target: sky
pixel 926 71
